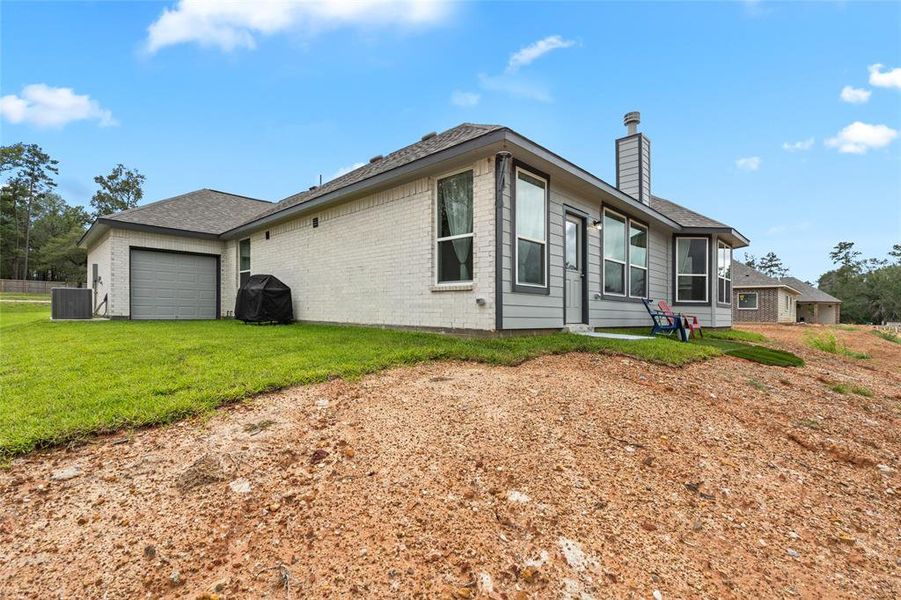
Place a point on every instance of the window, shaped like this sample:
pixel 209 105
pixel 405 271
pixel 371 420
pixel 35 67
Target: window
pixel 788 302
pixel 455 237
pixel 723 273
pixel 243 261
pixel 614 229
pixel 747 301
pixel 531 229
pixel 691 269
pixel 638 260
pixel 571 254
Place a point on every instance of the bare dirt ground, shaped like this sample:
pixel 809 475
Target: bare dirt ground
pixel 573 476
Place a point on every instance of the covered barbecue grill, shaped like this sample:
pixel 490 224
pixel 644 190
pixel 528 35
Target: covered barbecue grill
pixel 264 299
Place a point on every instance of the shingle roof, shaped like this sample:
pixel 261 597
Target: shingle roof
pixel 681 215
pixel 421 149
pixel 202 211
pixel 808 292
pixel 744 276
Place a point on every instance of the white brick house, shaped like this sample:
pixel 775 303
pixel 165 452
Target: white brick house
pixel 476 228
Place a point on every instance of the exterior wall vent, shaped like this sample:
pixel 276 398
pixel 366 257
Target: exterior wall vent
pixel 376 158
pixel 315 222
pixel 427 136
pixel 267 234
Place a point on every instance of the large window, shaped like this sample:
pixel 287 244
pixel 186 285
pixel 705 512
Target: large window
pixel 747 301
pixel 692 269
pixel 625 256
pixel 455 235
pixel 723 273
pixel 614 228
pixel 638 260
pixel 531 230
pixel 243 261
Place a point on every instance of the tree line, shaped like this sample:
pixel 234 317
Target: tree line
pixel 869 288
pixel 39 230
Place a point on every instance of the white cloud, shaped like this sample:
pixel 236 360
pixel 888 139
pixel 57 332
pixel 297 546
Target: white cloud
pixel 516 87
pixel 855 95
pixel 231 25
pixel 465 99
pixel 750 163
pixel 798 146
pixel 880 78
pixel 532 52
pixel 45 106
pixel 346 170
pixel 859 137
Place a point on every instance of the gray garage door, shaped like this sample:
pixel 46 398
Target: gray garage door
pixel 167 285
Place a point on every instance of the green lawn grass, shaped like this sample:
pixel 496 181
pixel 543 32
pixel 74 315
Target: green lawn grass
pixel 62 381
pixel 23 296
pixel 827 342
pixel 887 336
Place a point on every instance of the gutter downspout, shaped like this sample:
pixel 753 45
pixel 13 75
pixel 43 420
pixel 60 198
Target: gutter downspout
pixel 500 174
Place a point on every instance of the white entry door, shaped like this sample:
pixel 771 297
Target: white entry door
pixel 574 271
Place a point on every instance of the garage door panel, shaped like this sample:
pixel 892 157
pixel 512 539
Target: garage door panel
pixel 167 285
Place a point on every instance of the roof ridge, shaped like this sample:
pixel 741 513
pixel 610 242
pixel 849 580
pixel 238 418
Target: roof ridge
pixel 237 195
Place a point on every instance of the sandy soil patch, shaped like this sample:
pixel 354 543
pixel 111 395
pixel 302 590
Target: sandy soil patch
pixel 573 476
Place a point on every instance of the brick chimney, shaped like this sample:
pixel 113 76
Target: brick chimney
pixel 633 160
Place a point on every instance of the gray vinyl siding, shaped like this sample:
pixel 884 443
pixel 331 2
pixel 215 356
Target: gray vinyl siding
pixel 540 311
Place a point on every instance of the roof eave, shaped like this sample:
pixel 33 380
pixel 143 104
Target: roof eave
pixel 764 286
pixel 737 239
pixel 498 136
pixel 84 242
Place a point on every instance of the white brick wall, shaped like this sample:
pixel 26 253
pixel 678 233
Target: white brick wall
pixel 114 251
pixel 100 254
pixel 371 260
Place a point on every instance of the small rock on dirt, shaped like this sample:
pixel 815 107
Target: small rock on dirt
pixel 240 486
pixel 65 474
pixel 318 456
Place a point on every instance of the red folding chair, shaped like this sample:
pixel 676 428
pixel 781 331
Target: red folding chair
pixel 690 322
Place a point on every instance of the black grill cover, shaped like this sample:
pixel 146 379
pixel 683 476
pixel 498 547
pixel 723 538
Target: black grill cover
pixel 264 299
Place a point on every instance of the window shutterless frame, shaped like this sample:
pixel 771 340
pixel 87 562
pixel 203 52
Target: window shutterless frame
pixel 242 271
pixel 623 263
pixel 723 296
pixel 705 275
pixel 437 225
pixel 633 224
pixel 746 297
pixel 527 287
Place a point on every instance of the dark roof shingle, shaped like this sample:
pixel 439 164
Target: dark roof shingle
pixel 743 275
pixel 681 215
pixel 421 149
pixel 201 211
pixel 808 292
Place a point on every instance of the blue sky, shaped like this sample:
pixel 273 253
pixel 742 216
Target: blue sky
pixel 262 102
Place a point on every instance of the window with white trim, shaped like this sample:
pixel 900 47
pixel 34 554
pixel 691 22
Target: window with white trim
pixel 723 273
pixel 747 301
pixel 454 240
pixel 531 229
pixel 243 261
pixel 638 260
pixel 615 253
pixel 692 269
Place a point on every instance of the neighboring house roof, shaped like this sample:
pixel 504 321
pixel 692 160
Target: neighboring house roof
pixel 810 293
pixel 205 212
pixel 744 277
pixel 683 216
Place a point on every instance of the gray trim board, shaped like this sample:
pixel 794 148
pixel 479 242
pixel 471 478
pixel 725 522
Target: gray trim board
pixel 501 161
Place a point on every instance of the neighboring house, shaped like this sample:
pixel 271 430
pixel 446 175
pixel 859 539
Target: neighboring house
pixel 475 228
pixel 760 298
pixel 815 305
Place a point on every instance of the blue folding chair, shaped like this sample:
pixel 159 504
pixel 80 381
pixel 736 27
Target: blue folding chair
pixel 665 323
